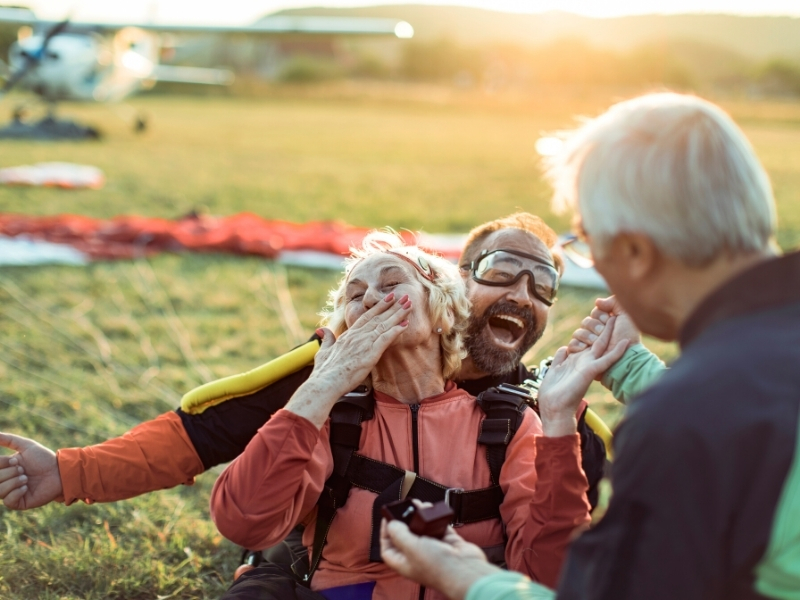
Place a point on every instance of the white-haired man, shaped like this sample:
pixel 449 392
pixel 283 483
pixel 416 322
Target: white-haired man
pixel 679 215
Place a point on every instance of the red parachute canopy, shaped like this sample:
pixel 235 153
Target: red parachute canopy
pixel 132 236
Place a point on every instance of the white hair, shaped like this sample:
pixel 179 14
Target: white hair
pixel 671 166
pixel 448 306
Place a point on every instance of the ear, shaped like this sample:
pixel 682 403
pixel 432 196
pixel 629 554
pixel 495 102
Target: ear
pixel 636 254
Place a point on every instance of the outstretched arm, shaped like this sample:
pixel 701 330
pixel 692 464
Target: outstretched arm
pixel 28 478
pixel 155 455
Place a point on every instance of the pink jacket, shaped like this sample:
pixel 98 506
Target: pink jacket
pixel 276 483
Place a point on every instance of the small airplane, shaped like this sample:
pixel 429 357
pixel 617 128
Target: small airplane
pixel 106 62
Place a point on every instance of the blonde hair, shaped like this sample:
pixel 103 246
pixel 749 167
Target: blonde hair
pixel 448 305
pixel 671 166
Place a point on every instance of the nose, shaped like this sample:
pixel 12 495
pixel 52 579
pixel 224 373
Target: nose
pixel 371 297
pixel 520 292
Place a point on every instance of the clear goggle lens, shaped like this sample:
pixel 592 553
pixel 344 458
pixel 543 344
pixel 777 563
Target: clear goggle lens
pixel 506 267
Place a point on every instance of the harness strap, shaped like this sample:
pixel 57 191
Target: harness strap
pixel 504 409
pixel 386 481
pixel 345 434
pixel 469 506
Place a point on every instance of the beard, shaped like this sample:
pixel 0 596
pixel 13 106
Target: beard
pixel 486 355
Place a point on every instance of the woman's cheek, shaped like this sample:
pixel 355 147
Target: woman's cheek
pixel 351 315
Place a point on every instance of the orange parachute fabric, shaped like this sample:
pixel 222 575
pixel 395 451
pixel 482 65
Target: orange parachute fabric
pixel 132 236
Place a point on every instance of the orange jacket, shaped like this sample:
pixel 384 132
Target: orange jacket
pixel 276 483
pixel 155 455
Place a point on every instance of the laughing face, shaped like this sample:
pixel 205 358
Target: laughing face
pixel 506 321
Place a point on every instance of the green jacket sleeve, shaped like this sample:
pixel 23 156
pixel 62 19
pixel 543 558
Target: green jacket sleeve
pixel 778 573
pixel 508 585
pixel 636 371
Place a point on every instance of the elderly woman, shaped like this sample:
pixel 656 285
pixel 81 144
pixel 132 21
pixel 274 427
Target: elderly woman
pixel 395 322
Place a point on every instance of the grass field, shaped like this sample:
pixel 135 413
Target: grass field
pixel 87 352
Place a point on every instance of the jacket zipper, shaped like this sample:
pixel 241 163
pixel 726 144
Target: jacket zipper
pixel 415 449
pixel 415 435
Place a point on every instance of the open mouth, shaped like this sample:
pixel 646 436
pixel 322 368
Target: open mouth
pixel 506 330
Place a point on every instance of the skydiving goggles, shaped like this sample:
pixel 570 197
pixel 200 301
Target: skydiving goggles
pixel 506 267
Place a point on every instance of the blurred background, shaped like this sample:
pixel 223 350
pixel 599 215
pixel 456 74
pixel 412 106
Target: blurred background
pixel 436 132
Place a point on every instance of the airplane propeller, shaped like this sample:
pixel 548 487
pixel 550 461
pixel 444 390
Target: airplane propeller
pixel 33 59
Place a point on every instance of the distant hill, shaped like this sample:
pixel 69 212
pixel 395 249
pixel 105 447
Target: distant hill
pixel 756 38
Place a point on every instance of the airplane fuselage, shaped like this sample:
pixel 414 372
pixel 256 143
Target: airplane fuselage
pixel 87 66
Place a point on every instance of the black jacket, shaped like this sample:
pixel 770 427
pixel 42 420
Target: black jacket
pixel 701 457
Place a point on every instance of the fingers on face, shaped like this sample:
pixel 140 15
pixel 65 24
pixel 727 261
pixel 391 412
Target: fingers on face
pixel 385 312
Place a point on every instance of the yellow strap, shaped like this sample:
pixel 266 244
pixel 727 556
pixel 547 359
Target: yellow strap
pixel 597 425
pixel 243 384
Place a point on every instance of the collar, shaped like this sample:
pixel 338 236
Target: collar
pixel 451 390
pixel 769 284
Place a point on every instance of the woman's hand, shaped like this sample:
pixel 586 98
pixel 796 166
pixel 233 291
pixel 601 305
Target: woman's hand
pixel 569 377
pixel 29 478
pixel 593 325
pixel 343 364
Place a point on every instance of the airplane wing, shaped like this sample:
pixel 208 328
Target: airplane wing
pixel 267 26
pixel 192 75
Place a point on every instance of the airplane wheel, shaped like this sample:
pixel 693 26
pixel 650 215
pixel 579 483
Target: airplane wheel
pixel 140 125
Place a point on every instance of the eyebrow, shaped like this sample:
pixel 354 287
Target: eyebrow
pixel 510 259
pixel 354 282
pixel 388 268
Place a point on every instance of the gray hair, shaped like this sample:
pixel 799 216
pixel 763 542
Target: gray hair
pixel 674 167
pixel 448 305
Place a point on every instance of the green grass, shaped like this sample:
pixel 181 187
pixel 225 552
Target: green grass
pixel 88 352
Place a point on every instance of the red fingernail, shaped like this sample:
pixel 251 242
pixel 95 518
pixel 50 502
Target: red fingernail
pixel 320 332
pixel 403 299
pixel 403 323
pixel 407 305
pixel 390 297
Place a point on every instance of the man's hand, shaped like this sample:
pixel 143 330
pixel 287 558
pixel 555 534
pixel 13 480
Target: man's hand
pixel 29 478
pixel 593 325
pixel 450 566
pixel 569 377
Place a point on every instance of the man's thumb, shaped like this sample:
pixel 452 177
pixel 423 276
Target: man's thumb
pixel 608 305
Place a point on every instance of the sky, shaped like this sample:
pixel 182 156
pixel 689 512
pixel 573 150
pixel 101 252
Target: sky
pixel 240 12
